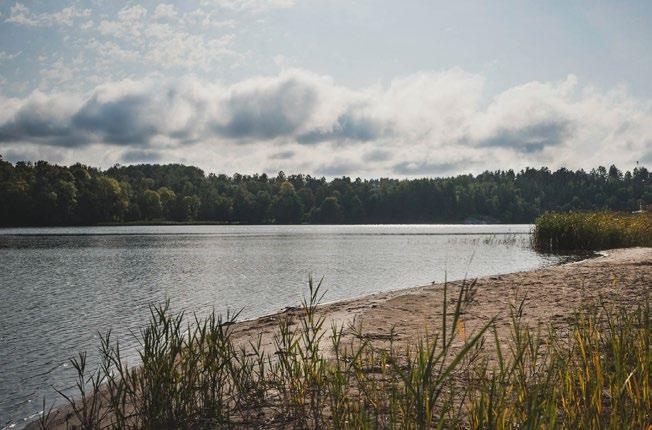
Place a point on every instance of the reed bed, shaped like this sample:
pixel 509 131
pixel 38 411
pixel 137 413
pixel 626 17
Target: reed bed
pixel 592 231
pixel 595 374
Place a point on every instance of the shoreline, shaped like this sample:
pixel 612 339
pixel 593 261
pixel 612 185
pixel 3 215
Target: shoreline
pixel 219 223
pixel 552 295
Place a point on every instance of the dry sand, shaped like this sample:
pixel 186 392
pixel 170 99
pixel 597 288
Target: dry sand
pixel 552 295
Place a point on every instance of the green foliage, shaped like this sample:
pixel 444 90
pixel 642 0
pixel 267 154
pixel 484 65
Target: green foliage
pixel 168 200
pixel 286 206
pixel 592 231
pixel 151 207
pixel 45 194
pixel 244 204
pixel 329 212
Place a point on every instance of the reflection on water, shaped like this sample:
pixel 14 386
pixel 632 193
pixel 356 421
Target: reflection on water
pixel 60 286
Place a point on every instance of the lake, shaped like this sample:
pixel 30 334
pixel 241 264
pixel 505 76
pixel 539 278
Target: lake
pixel 60 286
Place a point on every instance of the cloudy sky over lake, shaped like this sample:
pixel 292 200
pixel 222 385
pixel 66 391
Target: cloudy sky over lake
pixel 359 88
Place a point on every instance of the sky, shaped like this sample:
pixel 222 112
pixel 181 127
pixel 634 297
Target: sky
pixel 328 88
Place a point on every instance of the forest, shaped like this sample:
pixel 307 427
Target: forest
pixel 44 194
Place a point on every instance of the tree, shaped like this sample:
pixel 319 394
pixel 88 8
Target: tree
pixel 168 200
pixel 329 212
pixel 150 205
pixel 45 194
pixel 109 199
pixel 190 207
pixel 286 206
pixel 263 203
pixel 244 205
pixel 215 207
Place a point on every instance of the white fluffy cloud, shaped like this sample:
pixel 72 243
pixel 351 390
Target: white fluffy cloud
pixel 421 124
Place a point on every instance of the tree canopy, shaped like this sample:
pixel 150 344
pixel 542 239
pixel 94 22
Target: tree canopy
pixel 45 194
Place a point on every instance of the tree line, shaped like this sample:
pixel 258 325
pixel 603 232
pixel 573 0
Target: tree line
pixel 41 193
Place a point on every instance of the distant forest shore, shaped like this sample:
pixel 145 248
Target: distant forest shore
pixel 44 194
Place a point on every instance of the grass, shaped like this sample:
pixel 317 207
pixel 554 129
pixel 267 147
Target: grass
pixel 194 375
pixel 592 231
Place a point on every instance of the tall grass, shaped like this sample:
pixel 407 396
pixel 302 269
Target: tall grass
pixel 194 376
pixel 592 231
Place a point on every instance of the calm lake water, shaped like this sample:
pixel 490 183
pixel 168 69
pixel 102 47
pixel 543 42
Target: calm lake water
pixel 60 286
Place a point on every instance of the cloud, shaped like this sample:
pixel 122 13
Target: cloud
pixel 57 73
pixel 5 56
pixel 423 168
pixel 132 13
pixel 128 23
pixel 268 108
pixel 138 156
pixel 40 118
pixel 112 50
pixel 21 15
pixel 128 112
pixel 165 10
pixel 283 155
pixel 348 126
pixel 165 38
pixel 530 118
pixel 186 51
pixel 117 121
pixel 252 5
pixel 421 124
pixel 530 138
pixel 377 155
pixel 338 168
pixel 26 154
pixel 647 157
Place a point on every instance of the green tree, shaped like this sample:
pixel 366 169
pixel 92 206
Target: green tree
pixel 190 207
pixel 215 207
pixel 329 212
pixel 168 200
pixel 244 205
pixel 150 206
pixel 109 198
pixel 263 203
pixel 286 206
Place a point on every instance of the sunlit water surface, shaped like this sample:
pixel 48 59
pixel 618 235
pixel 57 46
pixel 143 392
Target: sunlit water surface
pixel 60 286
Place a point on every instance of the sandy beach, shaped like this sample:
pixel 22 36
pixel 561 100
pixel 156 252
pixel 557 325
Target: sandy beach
pixel 551 296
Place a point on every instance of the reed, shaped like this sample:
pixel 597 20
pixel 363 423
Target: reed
pixel 598 377
pixel 592 231
pixel 194 376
